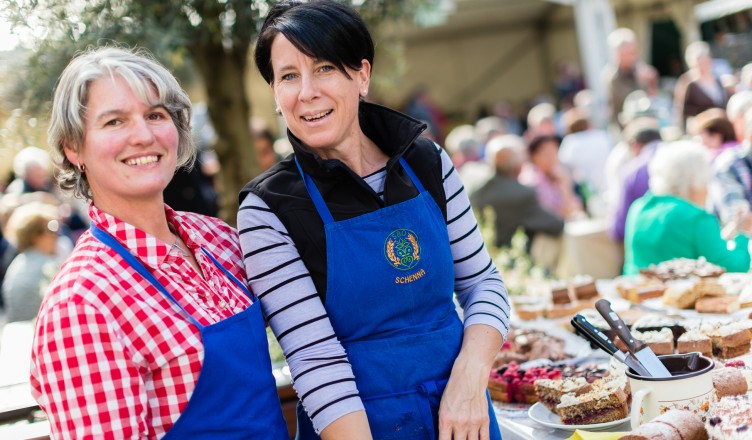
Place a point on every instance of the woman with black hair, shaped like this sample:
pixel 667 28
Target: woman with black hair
pixel 362 236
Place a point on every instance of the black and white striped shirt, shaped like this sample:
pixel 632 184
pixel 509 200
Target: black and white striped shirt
pixel 318 363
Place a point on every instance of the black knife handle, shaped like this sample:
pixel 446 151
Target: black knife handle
pixel 593 334
pixel 617 324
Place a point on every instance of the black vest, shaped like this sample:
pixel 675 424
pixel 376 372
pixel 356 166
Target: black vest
pixel 346 194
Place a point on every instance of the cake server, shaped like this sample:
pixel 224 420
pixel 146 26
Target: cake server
pixel 639 349
pixel 600 339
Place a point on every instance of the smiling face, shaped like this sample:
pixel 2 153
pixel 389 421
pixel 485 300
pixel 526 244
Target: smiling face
pixel 129 149
pixel 319 103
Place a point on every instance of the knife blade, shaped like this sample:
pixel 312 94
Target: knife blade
pixel 639 349
pixel 603 342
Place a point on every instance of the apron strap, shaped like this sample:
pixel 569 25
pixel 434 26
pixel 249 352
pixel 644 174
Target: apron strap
pixel 229 275
pixel 315 195
pixel 318 200
pixel 110 241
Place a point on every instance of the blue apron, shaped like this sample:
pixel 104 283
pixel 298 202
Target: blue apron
pixel 236 395
pixel 389 296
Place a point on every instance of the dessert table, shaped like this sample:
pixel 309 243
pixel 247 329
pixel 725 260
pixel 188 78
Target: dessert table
pixel 516 425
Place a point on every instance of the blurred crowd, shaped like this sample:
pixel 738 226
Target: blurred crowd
pixel 668 173
pixel 666 166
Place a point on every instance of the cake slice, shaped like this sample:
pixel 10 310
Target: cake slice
pixel 560 293
pixel 639 289
pixel 717 304
pixel 661 342
pixel 730 340
pixel 692 341
pixel 732 418
pixel 674 424
pixel 681 294
pixel 729 381
pixel 584 287
pixel 606 402
pixel 550 391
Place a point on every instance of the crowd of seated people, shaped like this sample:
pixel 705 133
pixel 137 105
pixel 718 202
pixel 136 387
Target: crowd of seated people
pixel 568 161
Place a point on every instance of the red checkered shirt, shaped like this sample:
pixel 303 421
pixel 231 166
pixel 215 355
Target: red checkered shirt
pixel 114 358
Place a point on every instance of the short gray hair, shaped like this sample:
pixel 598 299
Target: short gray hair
pixel 679 167
pixel 28 157
pixel 738 104
pixel 695 51
pixel 506 142
pixel 619 37
pixel 138 68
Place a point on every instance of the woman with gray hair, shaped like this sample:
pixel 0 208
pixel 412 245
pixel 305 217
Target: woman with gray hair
pixel 147 330
pixel 669 221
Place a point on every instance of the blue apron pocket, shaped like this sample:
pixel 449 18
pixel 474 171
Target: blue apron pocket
pixel 399 416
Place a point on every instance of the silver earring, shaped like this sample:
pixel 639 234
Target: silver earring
pixel 278 111
pixel 81 168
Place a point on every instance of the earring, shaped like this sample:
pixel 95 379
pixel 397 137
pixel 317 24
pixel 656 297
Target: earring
pixel 364 92
pixel 81 168
pixel 278 111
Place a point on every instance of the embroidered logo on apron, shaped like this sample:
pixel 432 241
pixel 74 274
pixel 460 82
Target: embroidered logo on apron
pixel 401 249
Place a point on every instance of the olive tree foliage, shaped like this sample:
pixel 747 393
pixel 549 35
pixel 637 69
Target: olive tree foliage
pixel 209 37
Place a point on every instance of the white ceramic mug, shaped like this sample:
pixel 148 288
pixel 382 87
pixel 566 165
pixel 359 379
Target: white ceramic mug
pixel 693 390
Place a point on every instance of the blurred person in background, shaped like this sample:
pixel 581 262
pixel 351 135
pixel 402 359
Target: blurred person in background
pixel 697 89
pixel 643 137
pixel 33 228
pixel 738 105
pixel 621 74
pixel 33 170
pixel 541 121
pixel 670 221
pixel 553 185
pixel 487 128
pixel 147 330
pixel 514 205
pixel 421 106
pixel 714 130
pixel 263 144
pixel 730 189
pixel 505 111
pixel 583 152
pixel 463 145
pixel 745 78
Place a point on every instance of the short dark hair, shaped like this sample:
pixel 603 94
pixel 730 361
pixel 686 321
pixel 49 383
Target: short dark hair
pixel 322 29
pixel 538 141
pixel 715 121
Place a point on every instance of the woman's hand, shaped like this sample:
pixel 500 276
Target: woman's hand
pixel 463 413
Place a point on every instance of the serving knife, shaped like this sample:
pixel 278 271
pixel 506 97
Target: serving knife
pixel 597 337
pixel 639 349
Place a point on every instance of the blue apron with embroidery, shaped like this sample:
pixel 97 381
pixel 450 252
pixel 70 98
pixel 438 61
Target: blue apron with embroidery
pixel 389 296
pixel 236 395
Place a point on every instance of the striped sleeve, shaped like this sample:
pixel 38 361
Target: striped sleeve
pixel 477 283
pixel 321 373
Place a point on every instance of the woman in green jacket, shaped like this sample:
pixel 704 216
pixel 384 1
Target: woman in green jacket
pixel 669 221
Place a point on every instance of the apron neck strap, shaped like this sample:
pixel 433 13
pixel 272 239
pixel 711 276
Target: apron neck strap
pixel 109 240
pixel 229 275
pixel 318 200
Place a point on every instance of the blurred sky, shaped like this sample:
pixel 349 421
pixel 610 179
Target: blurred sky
pixel 8 41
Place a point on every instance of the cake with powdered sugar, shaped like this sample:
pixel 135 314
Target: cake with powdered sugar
pixel 732 419
pixel 692 341
pixel 674 424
